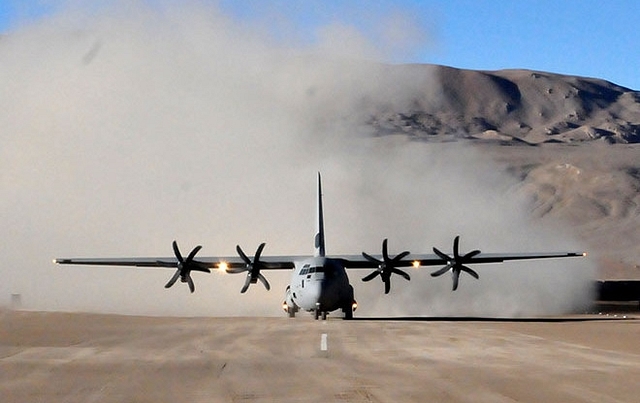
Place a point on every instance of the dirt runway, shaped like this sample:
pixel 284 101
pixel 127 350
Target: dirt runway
pixel 59 357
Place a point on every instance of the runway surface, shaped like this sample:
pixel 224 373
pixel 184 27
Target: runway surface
pixel 59 357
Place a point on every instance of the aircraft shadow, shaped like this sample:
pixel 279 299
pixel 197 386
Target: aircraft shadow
pixel 490 319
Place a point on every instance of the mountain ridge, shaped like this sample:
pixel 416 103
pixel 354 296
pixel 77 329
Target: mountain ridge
pixel 514 105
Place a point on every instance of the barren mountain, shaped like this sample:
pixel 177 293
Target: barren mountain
pixel 571 141
pixel 515 105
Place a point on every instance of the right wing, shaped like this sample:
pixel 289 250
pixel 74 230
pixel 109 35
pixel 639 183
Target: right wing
pixel 184 266
pixel 211 262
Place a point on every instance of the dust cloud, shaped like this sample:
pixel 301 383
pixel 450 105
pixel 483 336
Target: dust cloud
pixel 127 128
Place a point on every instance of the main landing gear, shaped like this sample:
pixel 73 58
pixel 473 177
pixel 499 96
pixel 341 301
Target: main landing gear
pixel 347 311
pixel 290 310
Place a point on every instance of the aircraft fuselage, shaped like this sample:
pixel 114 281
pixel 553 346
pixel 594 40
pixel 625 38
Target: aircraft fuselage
pixel 321 285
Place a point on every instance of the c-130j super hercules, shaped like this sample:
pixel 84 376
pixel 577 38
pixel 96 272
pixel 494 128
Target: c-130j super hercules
pixel 319 283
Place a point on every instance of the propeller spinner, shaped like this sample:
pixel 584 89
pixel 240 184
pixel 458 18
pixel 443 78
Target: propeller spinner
pixel 456 263
pixel 386 267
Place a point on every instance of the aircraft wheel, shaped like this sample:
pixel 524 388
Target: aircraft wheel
pixel 292 313
pixel 348 313
pixel 324 315
pixel 316 313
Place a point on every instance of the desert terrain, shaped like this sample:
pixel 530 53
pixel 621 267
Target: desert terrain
pixel 124 134
pixel 60 357
pixel 571 142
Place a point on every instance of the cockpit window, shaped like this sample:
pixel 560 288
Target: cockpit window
pixel 306 269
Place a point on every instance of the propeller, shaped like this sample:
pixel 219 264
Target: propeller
pixel 456 263
pixel 252 268
pixel 185 266
pixel 386 267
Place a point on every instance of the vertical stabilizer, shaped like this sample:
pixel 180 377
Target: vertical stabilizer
pixel 319 238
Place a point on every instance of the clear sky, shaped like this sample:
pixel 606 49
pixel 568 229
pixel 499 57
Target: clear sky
pixel 580 37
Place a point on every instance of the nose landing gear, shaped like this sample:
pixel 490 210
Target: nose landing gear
pixel 317 313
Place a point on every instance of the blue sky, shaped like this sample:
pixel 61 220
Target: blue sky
pixel 579 37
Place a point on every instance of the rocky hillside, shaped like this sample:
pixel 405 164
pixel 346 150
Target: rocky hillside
pixel 515 105
pixel 572 145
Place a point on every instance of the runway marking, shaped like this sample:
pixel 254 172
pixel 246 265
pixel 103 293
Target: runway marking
pixel 323 342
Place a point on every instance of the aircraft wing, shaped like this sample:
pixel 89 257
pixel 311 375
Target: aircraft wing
pixel 213 262
pixel 287 262
pixel 423 260
pixel 184 266
pixel 385 265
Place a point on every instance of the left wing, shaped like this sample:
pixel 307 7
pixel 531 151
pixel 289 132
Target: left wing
pixel 386 266
pixel 430 259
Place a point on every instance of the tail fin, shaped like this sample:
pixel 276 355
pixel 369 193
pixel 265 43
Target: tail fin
pixel 319 239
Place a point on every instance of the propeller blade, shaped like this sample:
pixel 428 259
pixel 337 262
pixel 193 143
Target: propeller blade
pixel 470 271
pixel 387 286
pixel 385 251
pixel 243 256
pixel 176 251
pixel 258 252
pixel 192 286
pixel 442 256
pixel 456 276
pixel 371 258
pixel 399 257
pixel 193 253
pixel 173 279
pixel 470 255
pixel 247 282
pixel 456 244
pixel 441 271
pixel 402 273
pixel 264 281
pixel 371 276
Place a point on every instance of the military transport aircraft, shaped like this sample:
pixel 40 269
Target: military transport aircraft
pixel 319 283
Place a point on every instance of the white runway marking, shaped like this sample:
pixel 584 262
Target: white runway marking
pixel 323 342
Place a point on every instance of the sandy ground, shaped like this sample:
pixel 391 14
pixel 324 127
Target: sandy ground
pixel 57 357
